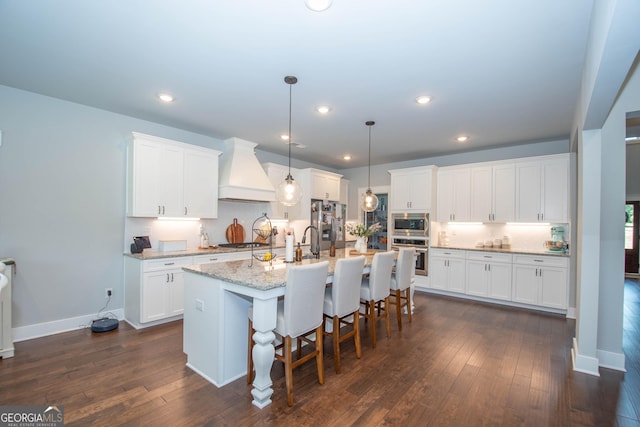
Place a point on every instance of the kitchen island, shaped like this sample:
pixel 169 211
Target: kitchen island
pixel 217 299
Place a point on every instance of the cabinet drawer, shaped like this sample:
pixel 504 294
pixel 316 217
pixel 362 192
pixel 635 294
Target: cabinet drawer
pixel 229 256
pixel 542 260
pixel 166 263
pixel 488 256
pixel 448 253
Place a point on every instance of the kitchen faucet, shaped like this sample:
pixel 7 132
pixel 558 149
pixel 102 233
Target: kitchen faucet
pixel 304 237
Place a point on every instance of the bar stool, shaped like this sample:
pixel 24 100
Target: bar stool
pixel 401 283
pixel 341 302
pixel 374 292
pixel 299 316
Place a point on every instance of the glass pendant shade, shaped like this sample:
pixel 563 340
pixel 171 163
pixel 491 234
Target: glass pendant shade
pixel 289 192
pixel 369 201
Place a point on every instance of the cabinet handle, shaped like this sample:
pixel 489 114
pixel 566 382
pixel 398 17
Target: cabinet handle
pixel 169 263
pixel 185 210
pixel 488 256
pixel 167 277
pixel 489 266
pixel 172 277
pixel 159 210
pixel 540 272
pixel 162 209
pixel 538 260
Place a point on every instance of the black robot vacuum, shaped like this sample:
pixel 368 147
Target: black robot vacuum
pixel 104 325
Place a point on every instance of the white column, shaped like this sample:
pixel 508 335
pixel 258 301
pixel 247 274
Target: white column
pixel 264 322
pixel 588 253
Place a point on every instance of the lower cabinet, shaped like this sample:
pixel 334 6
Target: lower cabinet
pixel 447 269
pixel 489 275
pixel 540 280
pixel 154 290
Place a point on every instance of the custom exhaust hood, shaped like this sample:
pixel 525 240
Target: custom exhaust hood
pixel 242 177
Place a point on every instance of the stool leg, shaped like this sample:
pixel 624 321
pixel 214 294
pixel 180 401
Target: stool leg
pixel 356 336
pixel 408 292
pixel 372 328
pixel 387 317
pixel 336 343
pixel 398 298
pixel 288 369
pixel 250 354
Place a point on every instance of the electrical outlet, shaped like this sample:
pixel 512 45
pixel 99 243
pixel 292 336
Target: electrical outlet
pixel 108 292
pixel 199 305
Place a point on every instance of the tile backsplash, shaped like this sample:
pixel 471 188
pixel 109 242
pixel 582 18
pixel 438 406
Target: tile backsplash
pixel 521 236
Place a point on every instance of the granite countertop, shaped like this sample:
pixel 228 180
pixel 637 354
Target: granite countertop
pixel 263 276
pixel 7 261
pixel 153 254
pixel 507 251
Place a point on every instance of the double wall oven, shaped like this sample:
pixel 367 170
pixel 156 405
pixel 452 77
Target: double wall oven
pixel 412 230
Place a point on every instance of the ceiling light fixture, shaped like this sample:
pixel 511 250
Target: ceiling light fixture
pixel 369 201
pixel 346 157
pixel 323 109
pixel 284 137
pixel 165 97
pixel 422 100
pixel 318 5
pixel 289 192
pixel 462 138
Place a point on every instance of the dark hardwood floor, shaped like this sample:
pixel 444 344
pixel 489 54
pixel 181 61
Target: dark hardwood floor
pixel 459 363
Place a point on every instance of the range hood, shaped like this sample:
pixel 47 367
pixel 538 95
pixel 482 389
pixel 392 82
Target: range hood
pixel 242 177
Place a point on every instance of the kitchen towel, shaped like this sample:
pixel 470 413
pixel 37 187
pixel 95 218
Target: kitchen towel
pixel 288 249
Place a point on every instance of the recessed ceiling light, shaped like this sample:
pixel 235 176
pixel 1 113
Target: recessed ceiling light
pixel 165 97
pixel 323 109
pixel 422 100
pixel 284 137
pixel 462 138
pixel 346 157
pixel 318 5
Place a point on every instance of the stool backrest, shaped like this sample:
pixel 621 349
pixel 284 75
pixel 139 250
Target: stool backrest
pixel 380 275
pixel 404 268
pixel 345 290
pixel 304 297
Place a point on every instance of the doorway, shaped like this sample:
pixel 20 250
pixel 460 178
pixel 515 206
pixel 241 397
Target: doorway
pixel 631 240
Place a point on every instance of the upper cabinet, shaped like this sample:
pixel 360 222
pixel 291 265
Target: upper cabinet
pixel 454 192
pixel 319 184
pixel 542 189
pixel 277 174
pixel 170 179
pixel 493 193
pixel 412 189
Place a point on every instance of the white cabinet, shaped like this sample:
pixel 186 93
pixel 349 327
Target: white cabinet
pixel 344 191
pixel 223 257
pixel 154 290
pixel 493 193
pixel 489 275
pixel 171 179
pixel 454 194
pixel 277 174
pixel 412 189
pixel 542 189
pixel 541 280
pixel 319 184
pixel 200 183
pixel 447 269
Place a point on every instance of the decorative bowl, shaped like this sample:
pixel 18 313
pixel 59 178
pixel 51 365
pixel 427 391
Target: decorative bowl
pixel 554 245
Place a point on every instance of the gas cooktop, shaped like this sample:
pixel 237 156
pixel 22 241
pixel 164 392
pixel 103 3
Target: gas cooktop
pixel 243 245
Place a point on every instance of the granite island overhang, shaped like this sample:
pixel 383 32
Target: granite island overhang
pixel 217 300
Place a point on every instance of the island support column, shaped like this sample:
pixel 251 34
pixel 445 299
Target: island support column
pixel 264 322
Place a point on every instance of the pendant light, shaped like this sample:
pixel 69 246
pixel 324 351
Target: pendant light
pixel 369 201
pixel 289 191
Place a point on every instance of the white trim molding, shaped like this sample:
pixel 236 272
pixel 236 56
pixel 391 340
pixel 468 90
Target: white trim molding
pixel 38 330
pixel 611 360
pixel 584 364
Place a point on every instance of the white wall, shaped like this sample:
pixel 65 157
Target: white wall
pixel 62 186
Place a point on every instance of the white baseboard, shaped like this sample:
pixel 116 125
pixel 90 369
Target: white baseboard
pixel 584 364
pixel 571 313
pixel 611 360
pixel 38 330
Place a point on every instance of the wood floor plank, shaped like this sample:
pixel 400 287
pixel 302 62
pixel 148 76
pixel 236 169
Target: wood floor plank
pixel 458 363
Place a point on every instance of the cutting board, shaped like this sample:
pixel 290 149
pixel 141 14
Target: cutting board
pixel 235 232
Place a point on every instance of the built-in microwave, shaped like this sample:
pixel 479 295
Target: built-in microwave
pixel 410 224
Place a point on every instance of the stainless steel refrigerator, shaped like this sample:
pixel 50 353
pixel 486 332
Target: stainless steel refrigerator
pixel 329 218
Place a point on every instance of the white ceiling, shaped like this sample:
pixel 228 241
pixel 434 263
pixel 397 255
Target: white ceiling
pixel 502 72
